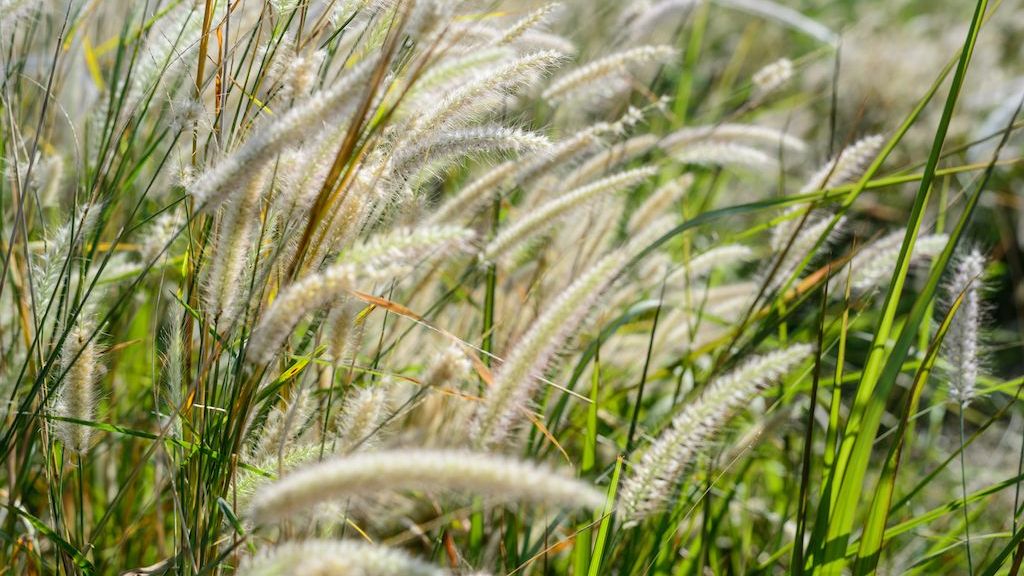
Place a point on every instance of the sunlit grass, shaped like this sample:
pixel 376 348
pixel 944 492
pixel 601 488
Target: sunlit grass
pixel 296 287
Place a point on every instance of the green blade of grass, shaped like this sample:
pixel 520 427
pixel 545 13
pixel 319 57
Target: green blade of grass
pixel 872 392
pixel 604 530
pixel 874 526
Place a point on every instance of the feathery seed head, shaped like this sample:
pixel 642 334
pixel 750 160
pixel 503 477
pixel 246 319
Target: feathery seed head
pixel 729 254
pixel 450 365
pixel 549 213
pixel 661 465
pixel 236 232
pixel 743 134
pixel 367 474
pixel 725 154
pixel 360 420
pixel 962 343
pixel 874 265
pixel 77 392
pixel 516 380
pixel 383 258
pixel 214 185
pixel 817 230
pixel 339 557
pixel 848 166
pixel 583 78
pixel 772 77
pixel 528 22
pixel 282 426
pixel 455 144
pixel 479 93
pixel 659 201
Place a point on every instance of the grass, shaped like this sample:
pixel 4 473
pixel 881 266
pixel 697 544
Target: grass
pixel 235 337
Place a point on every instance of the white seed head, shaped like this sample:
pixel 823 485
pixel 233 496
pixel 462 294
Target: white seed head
pixel 453 145
pixel 361 418
pixel 77 392
pixel 514 383
pixel 224 287
pixel 848 166
pixel 384 258
pixel 338 557
pixel 284 422
pixel 583 78
pixel 449 366
pixel 369 474
pixel 660 201
pixel 527 23
pixel 874 265
pixel 742 134
pixel 481 91
pixel 962 343
pixel 550 213
pixel 214 185
pixel 726 154
pixel 817 231
pixel 772 77
pixel 661 464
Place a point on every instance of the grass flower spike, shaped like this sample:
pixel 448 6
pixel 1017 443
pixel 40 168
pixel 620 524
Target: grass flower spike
pixel 77 394
pixel 962 344
pixel 595 72
pixel 342 557
pixel 660 467
pixel 548 214
pixel 514 383
pixel 382 259
pixel 434 470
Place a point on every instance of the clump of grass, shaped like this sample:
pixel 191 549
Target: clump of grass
pixel 431 287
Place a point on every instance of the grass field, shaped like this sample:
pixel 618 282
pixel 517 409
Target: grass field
pixel 428 287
